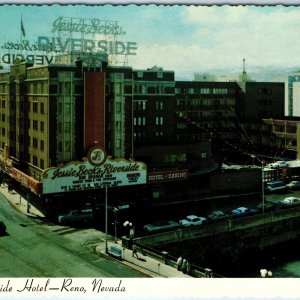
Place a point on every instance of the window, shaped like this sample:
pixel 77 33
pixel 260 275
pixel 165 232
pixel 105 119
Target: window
pixel 35 124
pixel 204 91
pixel 35 107
pixel 42 126
pixel 42 145
pixel 67 127
pixel 160 74
pixel 42 164
pixel 3 131
pixel 140 74
pixel 67 146
pixel 3 103
pixel 67 108
pixel 35 143
pixel 3 117
pixel 34 160
pixel 42 108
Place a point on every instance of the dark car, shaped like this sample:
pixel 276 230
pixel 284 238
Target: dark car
pixel 2 228
pixel 217 215
pixel 267 207
pixel 83 215
pixel 161 226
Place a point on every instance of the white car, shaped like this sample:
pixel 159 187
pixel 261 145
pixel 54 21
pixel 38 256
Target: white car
pixel 192 220
pixel 293 185
pixel 290 201
pixel 279 164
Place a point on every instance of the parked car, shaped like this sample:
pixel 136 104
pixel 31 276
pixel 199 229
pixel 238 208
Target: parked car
pixel 275 186
pixel 243 211
pixel 293 185
pixel 290 201
pixel 217 215
pixel 161 226
pixel 2 228
pixel 279 164
pixel 192 220
pixel 83 215
pixel 267 207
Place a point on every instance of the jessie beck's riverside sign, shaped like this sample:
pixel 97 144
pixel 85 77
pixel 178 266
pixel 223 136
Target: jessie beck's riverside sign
pixel 94 172
pixel 58 45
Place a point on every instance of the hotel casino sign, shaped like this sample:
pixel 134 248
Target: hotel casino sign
pixel 91 37
pixel 95 172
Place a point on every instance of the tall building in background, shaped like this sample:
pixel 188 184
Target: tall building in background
pixel 293 95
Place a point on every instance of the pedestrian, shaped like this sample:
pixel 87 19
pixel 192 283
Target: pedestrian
pixel 134 251
pixel 183 267
pixel 179 263
pixel 188 268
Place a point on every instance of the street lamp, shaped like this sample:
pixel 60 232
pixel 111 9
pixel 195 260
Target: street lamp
pixel 262 186
pixel 106 248
pixel 262 182
pixel 128 225
pixel 115 217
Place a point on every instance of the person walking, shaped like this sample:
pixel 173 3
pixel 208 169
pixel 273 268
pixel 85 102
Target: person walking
pixel 188 268
pixel 179 263
pixel 134 251
pixel 183 267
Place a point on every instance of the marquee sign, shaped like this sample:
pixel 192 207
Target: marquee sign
pixel 90 36
pixel 96 171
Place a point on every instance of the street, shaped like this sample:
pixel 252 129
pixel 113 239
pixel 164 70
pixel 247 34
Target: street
pixel 34 248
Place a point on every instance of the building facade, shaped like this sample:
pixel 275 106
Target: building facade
pixel 52 115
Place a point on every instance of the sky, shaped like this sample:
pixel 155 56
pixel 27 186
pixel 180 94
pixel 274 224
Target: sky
pixel 186 39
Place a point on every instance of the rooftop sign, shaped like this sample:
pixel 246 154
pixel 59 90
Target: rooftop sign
pixel 86 26
pixel 94 172
pixel 69 35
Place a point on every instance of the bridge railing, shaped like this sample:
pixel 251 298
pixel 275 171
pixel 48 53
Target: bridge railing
pixel 219 227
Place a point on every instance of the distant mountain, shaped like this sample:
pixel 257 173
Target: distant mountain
pixel 258 73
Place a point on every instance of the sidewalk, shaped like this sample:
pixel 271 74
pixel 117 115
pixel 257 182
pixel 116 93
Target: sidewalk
pixel 20 203
pixel 145 264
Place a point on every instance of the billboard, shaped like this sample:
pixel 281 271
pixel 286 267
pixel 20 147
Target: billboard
pixel 95 172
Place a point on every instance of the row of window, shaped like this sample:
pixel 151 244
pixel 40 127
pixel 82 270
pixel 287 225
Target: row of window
pixel 40 87
pixel 140 105
pixel 38 145
pixel 35 125
pixel 204 91
pixel 159 74
pixel 143 135
pixel 34 161
pixel 35 107
pixel 202 102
